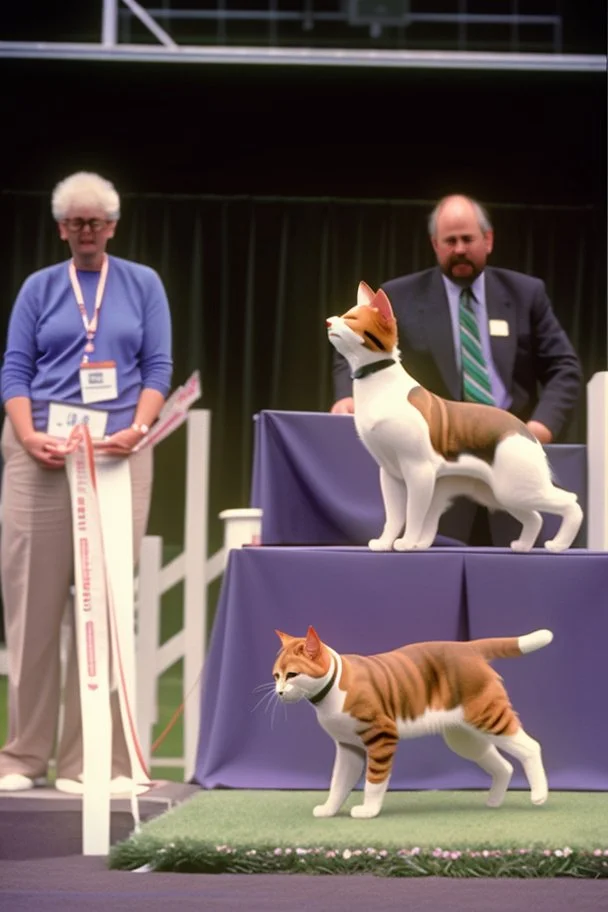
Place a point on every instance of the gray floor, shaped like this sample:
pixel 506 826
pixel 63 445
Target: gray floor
pixel 42 870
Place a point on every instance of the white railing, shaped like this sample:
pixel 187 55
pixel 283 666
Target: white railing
pixel 197 571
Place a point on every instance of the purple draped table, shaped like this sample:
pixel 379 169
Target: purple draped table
pixel 366 602
pixel 317 484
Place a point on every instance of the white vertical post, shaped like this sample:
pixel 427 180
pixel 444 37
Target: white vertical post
pixel 597 462
pixel 195 584
pixel 109 23
pixel 148 638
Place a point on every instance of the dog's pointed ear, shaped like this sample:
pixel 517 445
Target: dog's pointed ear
pixel 382 304
pixel 365 295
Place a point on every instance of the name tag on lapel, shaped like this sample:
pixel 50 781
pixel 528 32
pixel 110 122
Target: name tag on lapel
pixel 499 328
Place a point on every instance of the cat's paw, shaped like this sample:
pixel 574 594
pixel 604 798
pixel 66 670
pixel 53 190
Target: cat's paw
pixel 364 811
pixel 323 810
pixel 539 795
pixel 406 544
pixel 519 546
pixel 380 544
pixel 555 546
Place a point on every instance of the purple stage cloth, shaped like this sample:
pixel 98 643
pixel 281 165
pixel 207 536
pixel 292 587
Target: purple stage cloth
pixel 318 485
pixel 367 602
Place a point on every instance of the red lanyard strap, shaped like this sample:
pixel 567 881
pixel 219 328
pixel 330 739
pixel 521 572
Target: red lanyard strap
pixel 90 326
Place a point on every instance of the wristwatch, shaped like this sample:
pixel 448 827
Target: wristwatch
pixel 140 428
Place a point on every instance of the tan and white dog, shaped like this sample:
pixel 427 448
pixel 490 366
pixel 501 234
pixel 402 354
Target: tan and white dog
pixel 431 450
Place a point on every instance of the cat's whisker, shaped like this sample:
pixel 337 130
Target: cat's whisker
pixel 275 705
pixel 267 685
pixel 267 697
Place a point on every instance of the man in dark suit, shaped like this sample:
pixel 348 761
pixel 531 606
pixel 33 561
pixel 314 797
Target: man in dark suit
pixel 531 367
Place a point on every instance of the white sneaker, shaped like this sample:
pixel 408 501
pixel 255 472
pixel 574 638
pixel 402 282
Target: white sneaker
pixel 121 785
pixel 16 782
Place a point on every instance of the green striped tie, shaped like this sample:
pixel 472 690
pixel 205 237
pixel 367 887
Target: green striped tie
pixel 475 377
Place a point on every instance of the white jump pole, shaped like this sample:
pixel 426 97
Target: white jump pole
pixel 597 462
pixel 195 582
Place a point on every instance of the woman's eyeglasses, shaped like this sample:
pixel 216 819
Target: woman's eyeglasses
pixel 77 224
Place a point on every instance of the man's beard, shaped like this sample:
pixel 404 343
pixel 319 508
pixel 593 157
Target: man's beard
pixel 463 280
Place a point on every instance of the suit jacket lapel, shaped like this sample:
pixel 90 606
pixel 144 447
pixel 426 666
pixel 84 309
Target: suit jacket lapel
pixel 503 348
pixel 435 312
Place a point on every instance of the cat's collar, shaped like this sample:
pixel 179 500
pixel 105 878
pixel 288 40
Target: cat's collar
pixel 325 690
pixel 368 369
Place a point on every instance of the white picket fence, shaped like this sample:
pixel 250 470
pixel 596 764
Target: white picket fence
pixel 197 571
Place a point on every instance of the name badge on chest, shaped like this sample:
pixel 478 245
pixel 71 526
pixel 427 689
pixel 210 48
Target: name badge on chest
pixel 98 381
pixel 499 328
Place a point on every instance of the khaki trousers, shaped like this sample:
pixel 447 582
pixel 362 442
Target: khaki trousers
pixel 37 572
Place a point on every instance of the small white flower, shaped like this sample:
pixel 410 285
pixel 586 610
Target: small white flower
pixel 346 854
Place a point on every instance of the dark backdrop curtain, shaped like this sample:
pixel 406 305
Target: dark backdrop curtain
pixel 251 280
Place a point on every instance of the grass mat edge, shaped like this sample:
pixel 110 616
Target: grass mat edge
pixel 193 856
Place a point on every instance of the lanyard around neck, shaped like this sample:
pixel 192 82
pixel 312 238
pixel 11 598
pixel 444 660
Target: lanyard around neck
pixel 90 326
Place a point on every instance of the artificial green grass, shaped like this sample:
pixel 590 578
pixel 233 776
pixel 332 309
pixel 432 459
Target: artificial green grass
pixel 417 833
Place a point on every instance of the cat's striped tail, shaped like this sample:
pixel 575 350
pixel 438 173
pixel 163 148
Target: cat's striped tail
pixel 511 647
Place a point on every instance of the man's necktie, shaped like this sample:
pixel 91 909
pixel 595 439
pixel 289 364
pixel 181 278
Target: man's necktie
pixel 475 377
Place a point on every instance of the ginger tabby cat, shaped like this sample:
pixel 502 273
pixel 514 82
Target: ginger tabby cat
pixel 368 703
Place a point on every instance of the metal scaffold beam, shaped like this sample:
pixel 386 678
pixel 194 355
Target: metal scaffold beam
pixel 109 48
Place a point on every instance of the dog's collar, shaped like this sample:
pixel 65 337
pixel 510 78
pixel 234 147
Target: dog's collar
pixel 372 368
pixel 325 690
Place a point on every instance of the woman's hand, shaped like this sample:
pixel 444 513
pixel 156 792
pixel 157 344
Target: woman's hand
pixel 119 444
pixel 48 451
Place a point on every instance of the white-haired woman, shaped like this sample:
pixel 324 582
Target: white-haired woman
pixel 92 309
